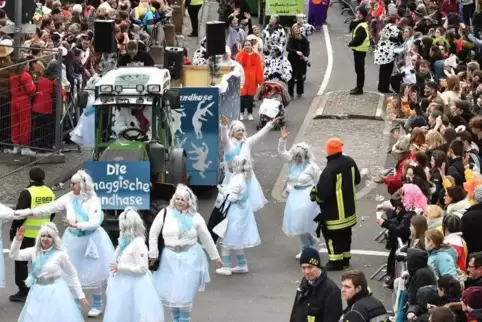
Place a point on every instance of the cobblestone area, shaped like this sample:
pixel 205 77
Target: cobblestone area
pixel 14 178
pixel 363 140
pixel 342 103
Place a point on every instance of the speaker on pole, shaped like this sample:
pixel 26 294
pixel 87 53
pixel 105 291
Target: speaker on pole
pixel 174 61
pixel 104 39
pixel 216 37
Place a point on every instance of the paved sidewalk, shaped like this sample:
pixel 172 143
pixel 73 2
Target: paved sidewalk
pixel 357 121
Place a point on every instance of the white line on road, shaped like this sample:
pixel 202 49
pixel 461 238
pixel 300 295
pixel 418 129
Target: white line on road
pixel 329 66
pixel 360 252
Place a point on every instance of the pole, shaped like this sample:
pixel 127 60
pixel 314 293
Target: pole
pixel 17 38
pixel 58 104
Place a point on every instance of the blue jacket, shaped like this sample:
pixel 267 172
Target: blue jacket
pixel 443 261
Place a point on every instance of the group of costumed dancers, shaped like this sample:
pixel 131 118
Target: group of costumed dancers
pixel 85 257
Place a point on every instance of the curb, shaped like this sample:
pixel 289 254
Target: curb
pixel 378 113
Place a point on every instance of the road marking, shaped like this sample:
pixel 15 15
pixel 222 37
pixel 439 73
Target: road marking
pixel 360 252
pixel 329 67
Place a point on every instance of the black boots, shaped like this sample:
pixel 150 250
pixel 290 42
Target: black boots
pixel 356 91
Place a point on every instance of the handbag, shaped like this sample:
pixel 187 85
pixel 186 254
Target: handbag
pixel 160 245
pixel 217 216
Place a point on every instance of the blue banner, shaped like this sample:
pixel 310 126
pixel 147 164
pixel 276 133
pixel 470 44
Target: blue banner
pixel 195 128
pixel 121 184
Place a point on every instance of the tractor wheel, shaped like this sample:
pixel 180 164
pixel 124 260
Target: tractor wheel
pixel 177 167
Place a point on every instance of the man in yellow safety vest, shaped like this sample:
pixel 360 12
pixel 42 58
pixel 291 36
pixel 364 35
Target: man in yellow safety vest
pixel 35 195
pixel 360 43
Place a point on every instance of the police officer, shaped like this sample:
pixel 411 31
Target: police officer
pixel 335 193
pixel 36 194
pixel 360 43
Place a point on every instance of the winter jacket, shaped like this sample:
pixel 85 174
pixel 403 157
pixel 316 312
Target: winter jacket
pixel 398 227
pixel 456 169
pixel 443 261
pixel 253 72
pixel 277 68
pixel 427 294
pixel 294 45
pixel 458 244
pixel 459 208
pixel 472 228
pixel 273 36
pixel 456 307
pixel 420 273
pixel 321 299
pixel 364 307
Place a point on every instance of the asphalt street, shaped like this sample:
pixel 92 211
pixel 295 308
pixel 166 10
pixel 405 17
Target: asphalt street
pixel 267 292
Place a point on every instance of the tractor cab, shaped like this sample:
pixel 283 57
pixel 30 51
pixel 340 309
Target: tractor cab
pixel 134 123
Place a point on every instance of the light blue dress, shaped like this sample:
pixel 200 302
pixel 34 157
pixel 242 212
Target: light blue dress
pixel 132 297
pixel 299 211
pixel 90 251
pixel 242 230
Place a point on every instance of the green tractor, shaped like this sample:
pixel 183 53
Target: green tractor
pixel 133 123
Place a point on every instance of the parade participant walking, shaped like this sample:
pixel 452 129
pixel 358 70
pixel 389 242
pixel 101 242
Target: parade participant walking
pixel 87 244
pixel 235 142
pixel 131 295
pixel 318 298
pixel 183 268
pixel 362 306
pixel 35 195
pixel 360 43
pixel 298 51
pixel 335 193
pixel 50 298
pixel 242 230
pixel 304 173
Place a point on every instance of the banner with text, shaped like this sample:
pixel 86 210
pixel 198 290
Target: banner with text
pixel 284 7
pixel 121 184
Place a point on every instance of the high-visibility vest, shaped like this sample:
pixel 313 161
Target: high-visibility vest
pixel 366 43
pixel 39 195
pixel 196 2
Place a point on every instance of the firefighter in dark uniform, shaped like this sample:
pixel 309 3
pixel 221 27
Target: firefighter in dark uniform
pixel 335 193
pixel 36 194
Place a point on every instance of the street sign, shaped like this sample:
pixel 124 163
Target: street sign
pixel 28 10
pixel 26 29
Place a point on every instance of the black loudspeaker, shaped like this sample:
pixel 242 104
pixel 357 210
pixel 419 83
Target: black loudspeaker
pixel 216 37
pixel 104 39
pixel 173 61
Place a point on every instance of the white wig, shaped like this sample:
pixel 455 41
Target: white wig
pixel 234 126
pixel 242 164
pixel 131 224
pixel 51 230
pixel 86 183
pixel 303 150
pixel 187 195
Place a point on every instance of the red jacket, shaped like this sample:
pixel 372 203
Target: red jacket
pixel 44 99
pixel 21 87
pixel 395 182
pixel 449 6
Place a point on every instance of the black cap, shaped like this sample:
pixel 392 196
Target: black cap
pixel 310 256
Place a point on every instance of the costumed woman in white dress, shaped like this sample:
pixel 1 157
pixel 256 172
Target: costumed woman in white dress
pixel 235 142
pixel 183 268
pixel 131 295
pixel 6 213
pixel 50 297
pixel 88 245
pixel 300 211
pixel 242 230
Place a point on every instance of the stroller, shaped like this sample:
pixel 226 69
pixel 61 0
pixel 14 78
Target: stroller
pixel 275 100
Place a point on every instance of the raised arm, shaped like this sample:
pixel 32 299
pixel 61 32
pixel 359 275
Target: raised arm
pixel 52 207
pixel 18 254
pixel 255 138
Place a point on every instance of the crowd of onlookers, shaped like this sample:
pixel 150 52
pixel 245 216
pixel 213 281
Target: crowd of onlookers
pixel 429 57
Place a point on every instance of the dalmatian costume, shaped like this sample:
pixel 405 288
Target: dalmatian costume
pixel 305 28
pixel 273 36
pixel 385 52
pixel 277 67
pixel 201 54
